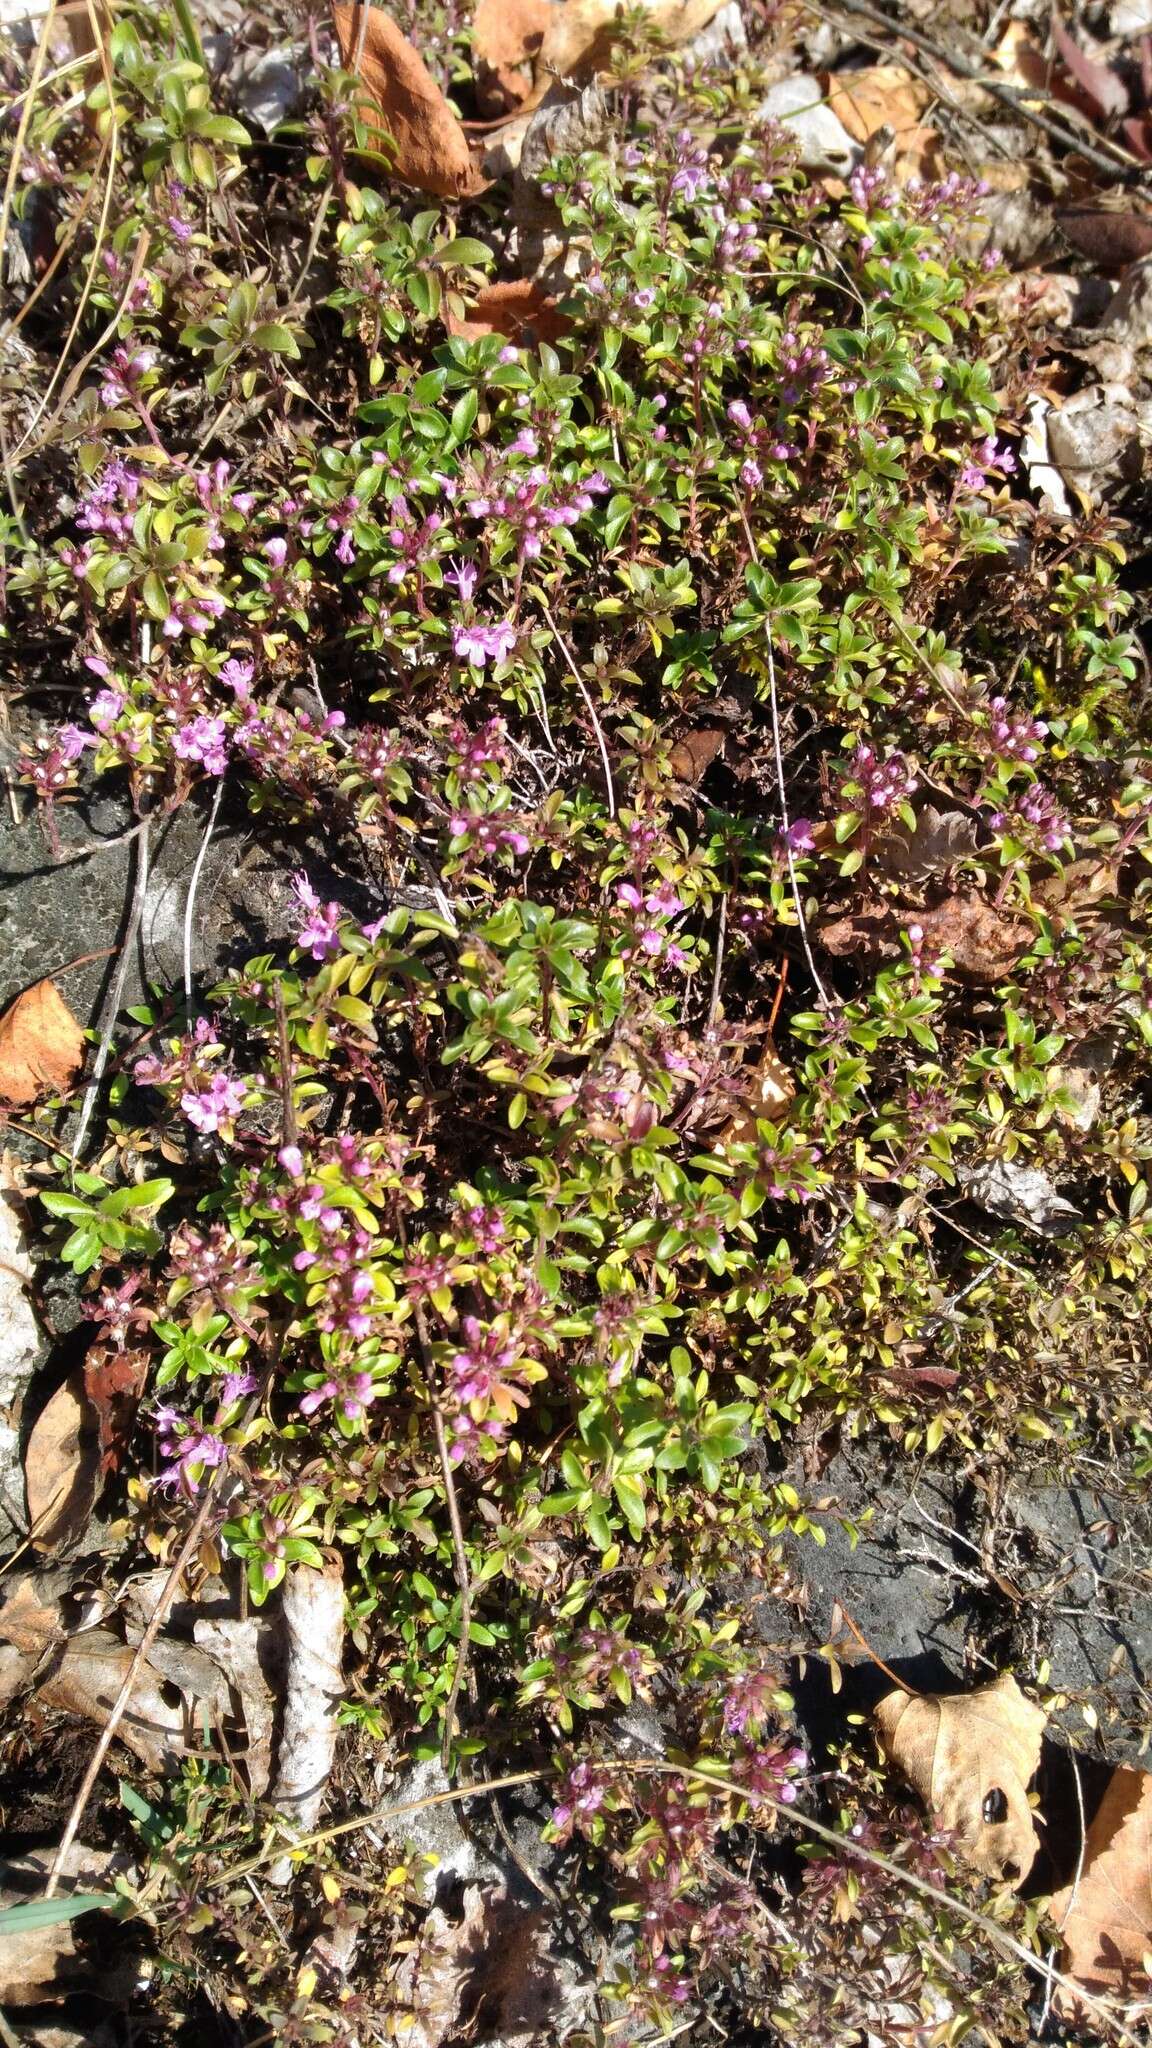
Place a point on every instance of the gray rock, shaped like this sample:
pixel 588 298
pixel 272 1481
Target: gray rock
pixel 1020 1194
pixel 823 140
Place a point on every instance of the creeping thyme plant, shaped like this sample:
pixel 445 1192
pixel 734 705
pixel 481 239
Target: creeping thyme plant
pixel 473 1197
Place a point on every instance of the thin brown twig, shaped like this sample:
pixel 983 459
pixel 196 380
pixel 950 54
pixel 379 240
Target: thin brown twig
pixel 845 1844
pixel 123 1698
pixel 1103 154
pixel 866 1646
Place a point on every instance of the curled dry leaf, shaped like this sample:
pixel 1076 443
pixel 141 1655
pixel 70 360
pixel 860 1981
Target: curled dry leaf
pixel 87 1681
pixel 576 39
pixel 1106 1916
pixel 1020 1194
pixel 941 840
pixel 493 1959
pixel 41 1047
pixel 695 751
pixel 113 1383
pixel 971 1757
pixel 984 943
pixel 770 1088
pixel 1108 236
pixel 30 1615
pixel 62 1466
pixel 243 1651
pixel 418 131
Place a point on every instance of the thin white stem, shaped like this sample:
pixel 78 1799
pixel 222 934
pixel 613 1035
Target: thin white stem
pixel 193 885
pixel 585 692
pixel 116 995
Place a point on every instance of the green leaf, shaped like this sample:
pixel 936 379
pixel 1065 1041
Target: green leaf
pixel 465 251
pixel 276 338
pixel 34 1914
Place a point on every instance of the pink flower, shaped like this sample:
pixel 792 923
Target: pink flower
pixel 213 1107
pixel 203 739
pixel 479 644
pixel 319 934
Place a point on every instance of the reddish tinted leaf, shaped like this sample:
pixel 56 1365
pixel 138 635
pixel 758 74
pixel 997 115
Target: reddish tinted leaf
pixel 1107 92
pixel 1109 239
pixel 1137 133
pixel 114 1382
pixel 519 307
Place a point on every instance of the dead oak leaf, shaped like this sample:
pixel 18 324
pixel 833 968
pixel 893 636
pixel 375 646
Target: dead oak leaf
pixel 971 1756
pixel 984 943
pixel 769 1089
pixel 507 37
pixel 62 1466
pixel 41 1047
pixel 417 129
pixel 518 307
pixel 885 96
pixel 1106 1917
pixel 580 36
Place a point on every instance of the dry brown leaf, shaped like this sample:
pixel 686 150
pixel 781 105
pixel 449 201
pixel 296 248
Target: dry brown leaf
pixel 886 96
pixel 694 753
pixel 88 1679
pixel 30 1615
pixel 984 943
pixel 244 1650
pixel 41 1047
pixel 770 1089
pixel 426 145
pixel 113 1382
pixel 62 1466
pixel 971 1757
pixel 1110 237
pixel 579 36
pixel 514 307
pixel 495 1959
pixel 1106 1918
pixel 507 37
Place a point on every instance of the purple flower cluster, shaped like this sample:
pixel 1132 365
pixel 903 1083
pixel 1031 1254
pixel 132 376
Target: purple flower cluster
pixel 479 644
pixel 213 1262
pixel 203 740
pixel 883 781
pixel 1040 814
pixel 210 1098
pixel 487 1378
pixel 649 934
pixel 487 832
pixel 986 458
pixel 1015 738
pixel 189 1449
pixel 758 444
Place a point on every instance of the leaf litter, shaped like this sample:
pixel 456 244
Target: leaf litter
pixel 41 1047
pixel 971 1757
